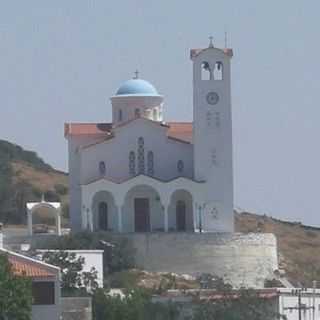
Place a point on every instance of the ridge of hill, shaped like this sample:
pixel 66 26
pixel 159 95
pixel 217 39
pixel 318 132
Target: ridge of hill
pixel 298 245
pixel 24 177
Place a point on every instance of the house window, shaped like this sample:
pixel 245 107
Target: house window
pixel 132 163
pixel 150 159
pixel 141 167
pixel 43 293
pixel 102 168
pixel 180 166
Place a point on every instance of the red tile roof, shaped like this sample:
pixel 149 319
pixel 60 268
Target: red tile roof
pixel 28 268
pixel 180 131
pixel 177 130
pixel 76 129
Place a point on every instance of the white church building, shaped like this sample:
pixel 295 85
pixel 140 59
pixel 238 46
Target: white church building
pixel 140 173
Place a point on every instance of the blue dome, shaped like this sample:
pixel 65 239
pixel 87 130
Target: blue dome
pixel 137 87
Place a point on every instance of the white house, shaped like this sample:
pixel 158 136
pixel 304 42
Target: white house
pixel 140 173
pixel 92 259
pixel 45 284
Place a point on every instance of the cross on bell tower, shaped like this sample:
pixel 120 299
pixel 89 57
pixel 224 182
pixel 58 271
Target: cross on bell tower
pixel 211 42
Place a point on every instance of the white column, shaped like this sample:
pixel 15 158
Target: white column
pixel 59 222
pixel 119 210
pixel 194 215
pixel 166 217
pixel 30 222
pixel 90 219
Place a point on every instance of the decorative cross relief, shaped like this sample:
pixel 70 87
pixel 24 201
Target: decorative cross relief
pixel 214 213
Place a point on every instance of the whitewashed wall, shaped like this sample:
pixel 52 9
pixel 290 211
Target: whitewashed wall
pixel 115 153
pixel 212 136
pixel 242 260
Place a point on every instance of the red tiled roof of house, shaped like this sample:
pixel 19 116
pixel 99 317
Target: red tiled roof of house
pixel 177 130
pixel 23 267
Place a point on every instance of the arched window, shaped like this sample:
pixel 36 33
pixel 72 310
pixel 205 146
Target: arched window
pixel 180 166
pixel 120 115
pixel 103 216
pixel 141 167
pixel 206 73
pixel 132 163
pixel 137 113
pixel 102 168
pixel 218 71
pixel 150 159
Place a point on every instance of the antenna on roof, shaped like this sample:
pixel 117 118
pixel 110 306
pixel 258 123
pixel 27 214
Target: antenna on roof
pixel 226 39
pixel 136 75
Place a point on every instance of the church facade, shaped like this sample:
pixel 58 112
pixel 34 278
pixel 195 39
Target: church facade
pixel 140 173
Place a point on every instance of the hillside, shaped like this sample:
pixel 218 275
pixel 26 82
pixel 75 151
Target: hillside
pixel 24 177
pixel 298 245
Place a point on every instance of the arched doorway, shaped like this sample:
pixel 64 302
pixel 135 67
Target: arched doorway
pixel 103 216
pixel 142 210
pixel 181 215
pixel 141 215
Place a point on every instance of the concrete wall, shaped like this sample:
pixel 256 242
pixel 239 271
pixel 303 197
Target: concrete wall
pixel 74 143
pixel 76 308
pixel 240 259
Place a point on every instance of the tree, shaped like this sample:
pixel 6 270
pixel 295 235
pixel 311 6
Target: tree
pixel 134 305
pixel 116 258
pixel 73 279
pixel 15 293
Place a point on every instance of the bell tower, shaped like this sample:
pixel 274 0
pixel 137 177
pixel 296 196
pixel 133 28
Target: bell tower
pixel 212 135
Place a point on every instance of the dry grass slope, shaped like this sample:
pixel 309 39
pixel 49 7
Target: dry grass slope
pixel 298 245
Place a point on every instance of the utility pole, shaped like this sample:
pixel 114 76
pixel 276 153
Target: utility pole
pixel 301 306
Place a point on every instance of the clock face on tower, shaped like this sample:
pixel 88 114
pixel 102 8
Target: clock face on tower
pixel 212 98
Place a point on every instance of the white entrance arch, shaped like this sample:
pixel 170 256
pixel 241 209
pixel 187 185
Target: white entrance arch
pixel 54 206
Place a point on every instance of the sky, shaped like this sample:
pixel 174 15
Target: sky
pixel 60 61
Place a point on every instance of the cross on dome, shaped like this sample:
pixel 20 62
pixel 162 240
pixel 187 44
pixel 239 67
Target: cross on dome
pixel 136 74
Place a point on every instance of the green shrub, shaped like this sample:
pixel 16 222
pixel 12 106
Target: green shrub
pixel 61 189
pixel 51 196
